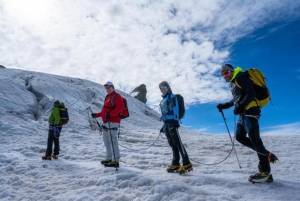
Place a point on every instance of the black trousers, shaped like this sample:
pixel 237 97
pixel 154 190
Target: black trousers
pixel 53 137
pixel 176 145
pixel 249 125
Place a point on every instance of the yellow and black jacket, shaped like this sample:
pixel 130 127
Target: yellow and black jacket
pixel 244 97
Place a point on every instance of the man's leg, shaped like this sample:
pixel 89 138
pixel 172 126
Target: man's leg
pixel 50 142
pixel 252 128
pixel 56 146
pixel 180 146
pixel 115 143
pixel 175 150
pixel 56 141
pixel 241 134
pixel 107 143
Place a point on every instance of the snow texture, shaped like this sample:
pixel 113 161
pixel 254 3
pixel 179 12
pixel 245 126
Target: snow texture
pixel 25 102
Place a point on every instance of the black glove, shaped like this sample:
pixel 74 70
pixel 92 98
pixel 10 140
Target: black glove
pixel 221 107
pixel 237 109
pixel 94 115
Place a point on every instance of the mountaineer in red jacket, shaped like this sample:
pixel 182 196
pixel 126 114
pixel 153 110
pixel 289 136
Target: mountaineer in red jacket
pixel 110 114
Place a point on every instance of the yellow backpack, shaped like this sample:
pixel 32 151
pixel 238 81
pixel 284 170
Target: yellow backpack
pixel 260 86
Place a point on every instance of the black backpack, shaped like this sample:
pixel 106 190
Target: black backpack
pixel 64 115
pixel 181 106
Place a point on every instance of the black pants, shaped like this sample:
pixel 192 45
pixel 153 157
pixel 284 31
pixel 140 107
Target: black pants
pixel 53 137
pixel 249 125
pixel 176 145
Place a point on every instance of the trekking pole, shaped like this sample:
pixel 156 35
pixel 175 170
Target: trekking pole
pixel 99 125
pixel 112 143
pixel 237 158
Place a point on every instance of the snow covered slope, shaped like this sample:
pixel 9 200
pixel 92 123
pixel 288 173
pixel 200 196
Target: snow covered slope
pixel 25 102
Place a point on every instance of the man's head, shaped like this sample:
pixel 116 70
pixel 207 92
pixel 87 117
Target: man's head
pixel 56 103
pixel 109 86
pixel 165 88
pixel 227 72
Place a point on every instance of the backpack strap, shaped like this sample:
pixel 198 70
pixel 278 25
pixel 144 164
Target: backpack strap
pixel 176 108
pixel 237 84
pixel 253 103
pixel 112 100
pixel 173 108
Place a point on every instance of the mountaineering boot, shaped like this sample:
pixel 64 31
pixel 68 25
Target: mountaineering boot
pixel 173 168
pixel 46 158
pixel 112 164
pixel 185 168
pixel 272 158
pixel 105 161
pixel 261 177
pixel 55 157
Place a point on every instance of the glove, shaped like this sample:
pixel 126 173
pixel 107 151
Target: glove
pixel 221 107
pixel 94 115
pixel 237 109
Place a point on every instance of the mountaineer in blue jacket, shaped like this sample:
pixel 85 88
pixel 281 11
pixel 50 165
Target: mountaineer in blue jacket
pixel 247 132
pixel 170 116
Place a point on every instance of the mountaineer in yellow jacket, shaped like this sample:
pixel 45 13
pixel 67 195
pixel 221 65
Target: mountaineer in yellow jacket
pixel 247 107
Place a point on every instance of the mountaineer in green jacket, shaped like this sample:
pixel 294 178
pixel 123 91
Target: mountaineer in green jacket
pixel 55 126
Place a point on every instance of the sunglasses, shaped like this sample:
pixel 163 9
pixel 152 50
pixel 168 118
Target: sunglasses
pixel 226 73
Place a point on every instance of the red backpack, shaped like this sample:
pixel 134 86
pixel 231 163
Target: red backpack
pixel 125 111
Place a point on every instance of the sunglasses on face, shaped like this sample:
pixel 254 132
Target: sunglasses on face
pixel 226 73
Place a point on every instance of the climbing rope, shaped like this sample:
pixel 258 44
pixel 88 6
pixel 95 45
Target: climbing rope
pixel 143 149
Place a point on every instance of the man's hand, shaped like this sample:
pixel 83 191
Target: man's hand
pixel 221 107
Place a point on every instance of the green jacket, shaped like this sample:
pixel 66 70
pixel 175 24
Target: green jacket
pixel 54 118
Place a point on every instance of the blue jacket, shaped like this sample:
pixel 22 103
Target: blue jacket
pixel 169 109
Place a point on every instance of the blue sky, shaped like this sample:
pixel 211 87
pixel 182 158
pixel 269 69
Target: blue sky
pixel 275 49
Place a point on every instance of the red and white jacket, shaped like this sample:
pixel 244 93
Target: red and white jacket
pixel 112 108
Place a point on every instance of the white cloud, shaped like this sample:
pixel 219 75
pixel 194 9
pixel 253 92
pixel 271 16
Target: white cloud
pixel 134 42
pixel 286 129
